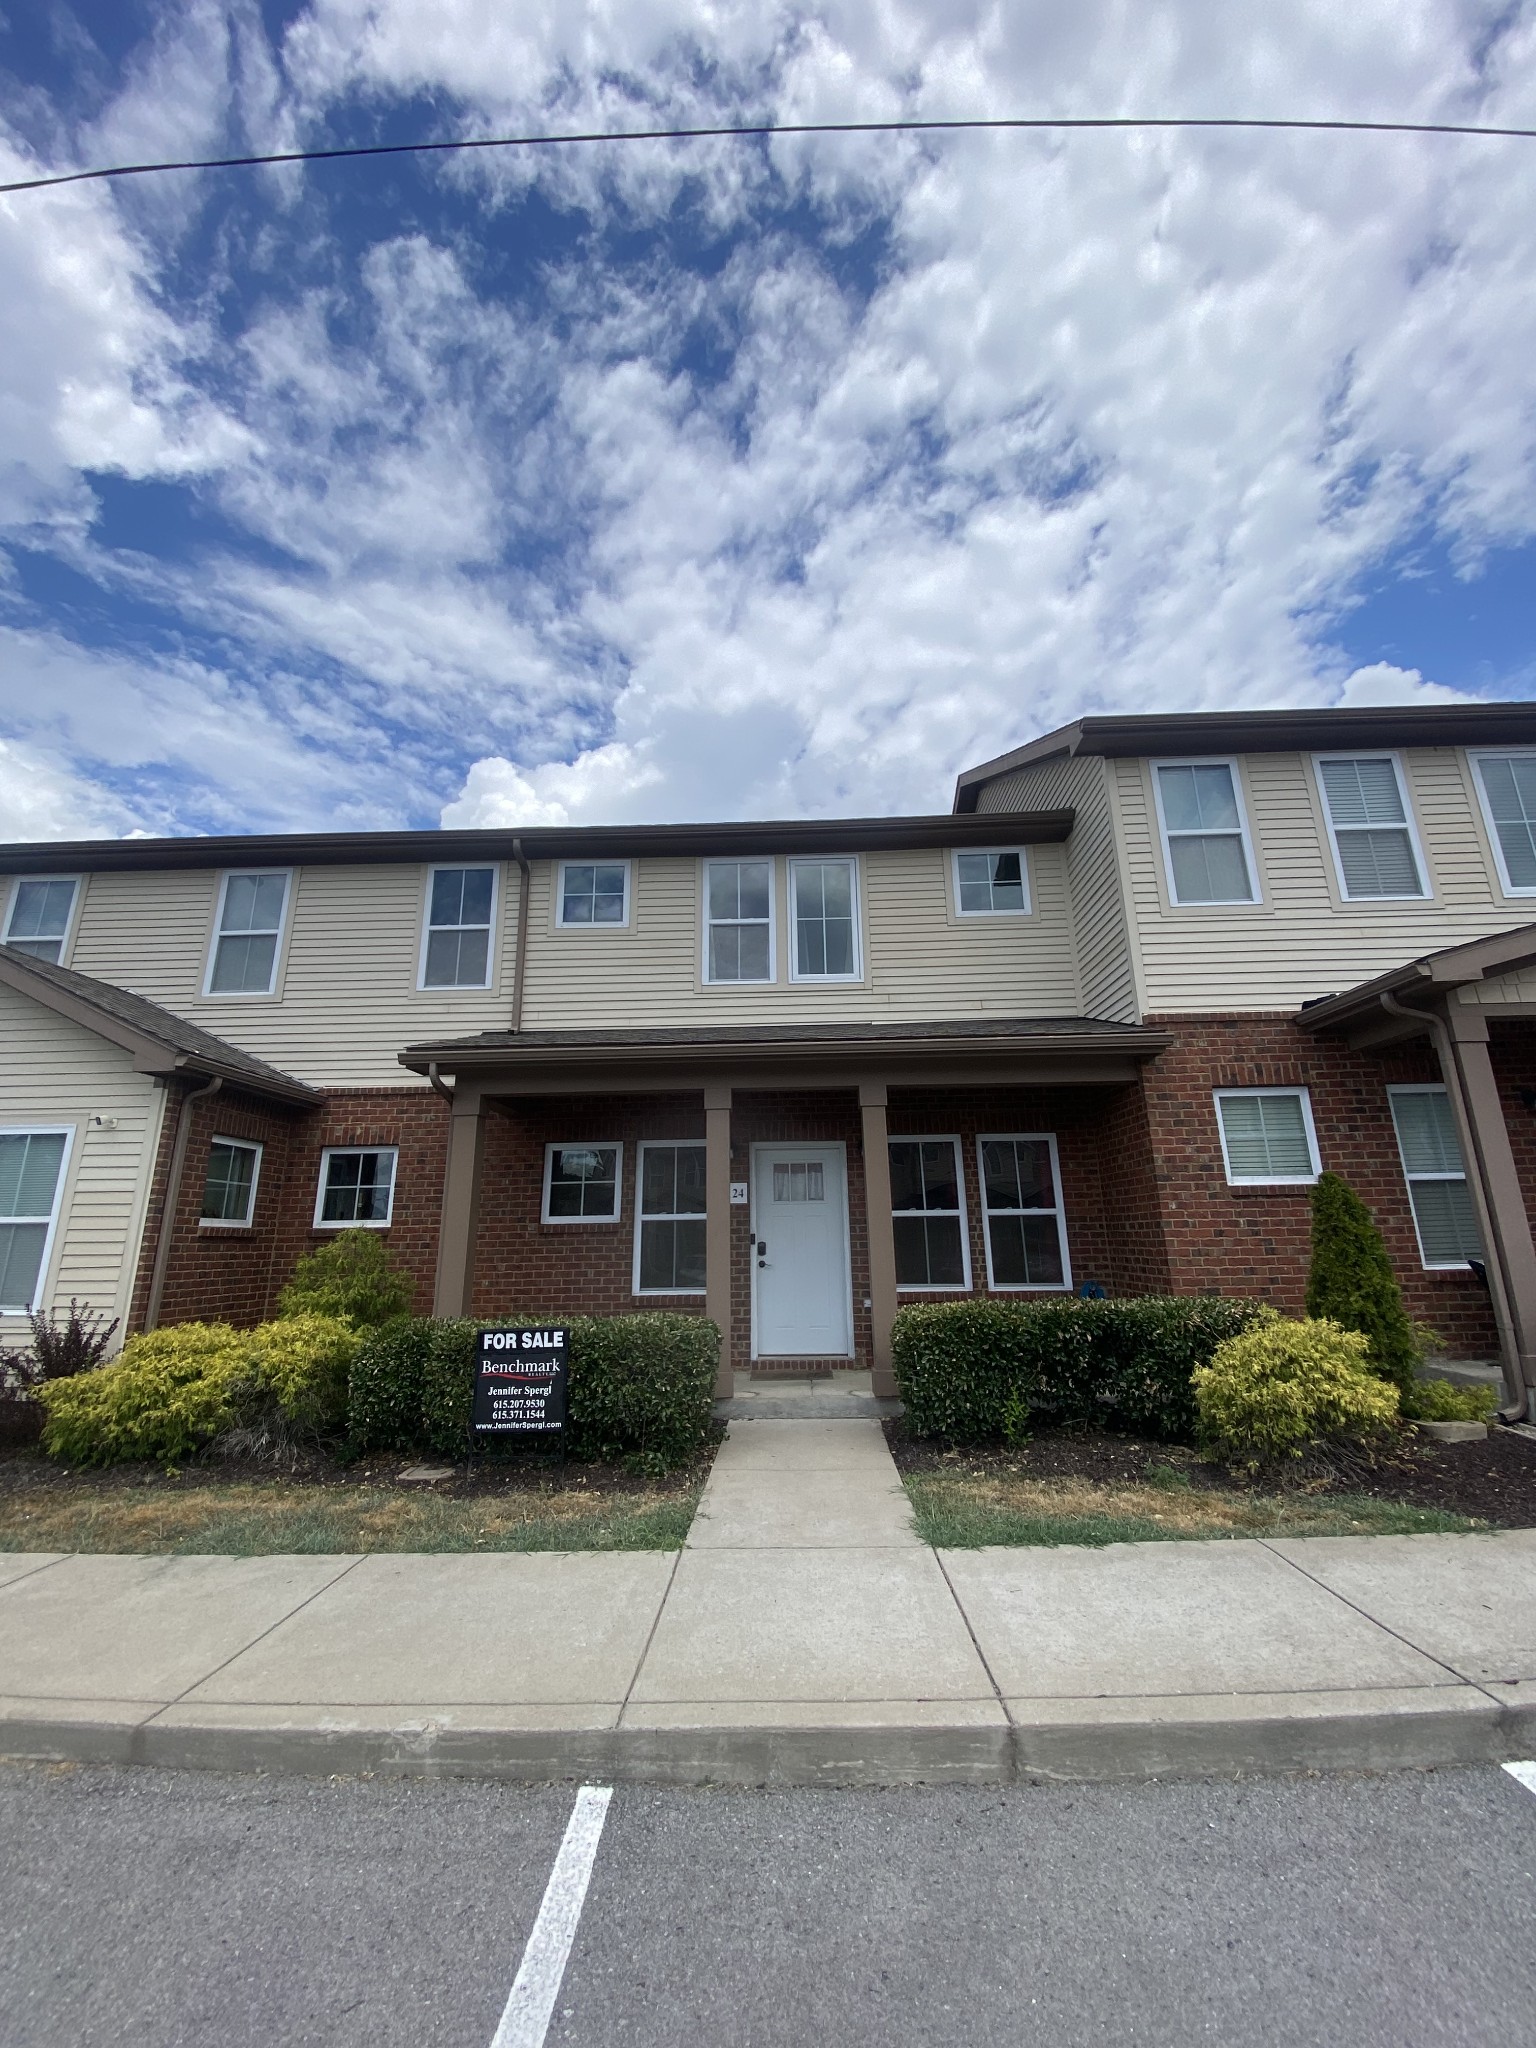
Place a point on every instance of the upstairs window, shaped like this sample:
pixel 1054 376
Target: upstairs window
pixel 1374 848
pixel 1436 1173
pixel 928 1214
pixel 456 949
pixel 1508 786
pixel 991 884
pixel 247 934
pixel 669 1223
pixel 823 908
pixel 581 1183
pixel 41 907
pixel 357 1187
pixel 229 1192
pixel 1205 836
pixel 31 1180
pixel 738 920
pixel 1267 1136
pixel 594 892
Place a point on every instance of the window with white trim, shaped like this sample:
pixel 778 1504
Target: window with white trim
pixel 456 945
pixel 1375 850
pixel 248 932
pixel 992 884
pixel 357 1187
pixel 1267 1136
pixel 41 908
pixel 928 1214
pixel 1025 1228
pixel 1436 1173
pixel 1207 854
pixel 581 1183
pixel 1507 785
pixel 229 1190
pixel 594 892
pixel 824 918
pixel 738 920
pixel 669 1219
pixel 32 1163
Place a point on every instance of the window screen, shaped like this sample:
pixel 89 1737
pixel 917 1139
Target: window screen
pixel 927 1213
pixel 31 1169
pixel 594 892
pixel 39 919
pixel 738 909
pixel 987 883
pixel 230 1189
pixel 1021 1206
pixel 1436 1175
pixel 357 1185
pixel 1207 860
pixel 670 1224
pixel 458 953
pixel 1369 822
pixel 250 924
pixel 583 1184
pixel 1265 1135
pixel 1509 786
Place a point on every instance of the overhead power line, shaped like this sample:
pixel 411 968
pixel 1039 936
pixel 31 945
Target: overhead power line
pixel 765 128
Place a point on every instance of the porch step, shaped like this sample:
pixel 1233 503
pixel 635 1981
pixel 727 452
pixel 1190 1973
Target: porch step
pixel 831 1397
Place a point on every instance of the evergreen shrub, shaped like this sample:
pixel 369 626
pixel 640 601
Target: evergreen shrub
pixel 1351 1282
pixel 349 1276
pixel 1282 1386
pixel 1444 1401
pixel 973 1371
pixel 639 1388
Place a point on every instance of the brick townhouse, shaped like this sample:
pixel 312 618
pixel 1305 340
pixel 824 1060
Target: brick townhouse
pixel 1101 1025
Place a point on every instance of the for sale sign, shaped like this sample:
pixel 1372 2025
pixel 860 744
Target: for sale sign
pixel 520 1379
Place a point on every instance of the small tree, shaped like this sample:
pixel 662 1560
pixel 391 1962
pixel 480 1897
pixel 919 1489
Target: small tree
pixel 1352 1283
pixel 352 1277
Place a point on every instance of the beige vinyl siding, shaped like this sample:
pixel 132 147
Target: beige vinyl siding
pixel 1105 967
pixel 54 1071
pixel 1303 940
pixel 346 998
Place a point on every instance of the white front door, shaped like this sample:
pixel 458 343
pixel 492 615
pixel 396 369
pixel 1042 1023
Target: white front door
pixel 800 1287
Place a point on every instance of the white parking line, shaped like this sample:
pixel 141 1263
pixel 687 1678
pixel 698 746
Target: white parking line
pixel 1524 1774
pixel 536 1986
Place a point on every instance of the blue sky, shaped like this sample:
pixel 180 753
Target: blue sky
pixel 737 478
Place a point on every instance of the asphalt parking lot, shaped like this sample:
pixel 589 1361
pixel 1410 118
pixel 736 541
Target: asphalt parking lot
pixel 166 1908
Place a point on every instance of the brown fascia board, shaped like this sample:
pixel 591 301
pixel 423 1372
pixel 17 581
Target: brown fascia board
pixel 575 842
pixel 1265 732
pixel 1452 967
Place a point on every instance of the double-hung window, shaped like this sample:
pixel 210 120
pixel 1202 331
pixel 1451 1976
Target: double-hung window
pixel 1436 1175
pixel 247 933
pixel 1507 783
pixel 824 915
pixel 1206 848
pixel 928 1214
pixel 229 1191
pixel 594 892
pixel 357 1187
pixel 1021 1208
pixel 1374 847
pixel 38 921
pixel 669 1219
pixel 991 884
pixel 456 946
pixel 738 920
pixel 581 1183
pixel 1267 1136
pixel 32 1164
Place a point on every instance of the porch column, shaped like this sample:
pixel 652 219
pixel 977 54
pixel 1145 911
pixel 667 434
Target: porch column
pixel 459 1226
pixel 882 1237
pixel 717 1225
pixel 1492 1163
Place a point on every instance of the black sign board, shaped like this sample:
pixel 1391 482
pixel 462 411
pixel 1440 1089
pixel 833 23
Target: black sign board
pixel 520 1380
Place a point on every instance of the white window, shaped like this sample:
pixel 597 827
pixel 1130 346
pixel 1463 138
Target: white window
pixel 229 1192
pixel 1507 785
pixel 928 1214
pixel 247 933
pixel 824 914
pixel 581 1183
pixel 41 908
pixel 669 1219
pixel 1436 1175
pixel 1207 853
pixel 357 1187
pixel 1374 846
pixel 32 1164
pixel 456 945
pixel 991 884
pixel 1021 1208
pixel 1267 1136
pixel 594 892
pixel 738 920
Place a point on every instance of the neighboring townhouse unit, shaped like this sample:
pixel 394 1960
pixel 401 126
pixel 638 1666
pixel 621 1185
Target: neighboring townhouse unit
pixel 1101 1026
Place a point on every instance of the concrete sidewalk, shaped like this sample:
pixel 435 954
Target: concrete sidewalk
pixel 803 1635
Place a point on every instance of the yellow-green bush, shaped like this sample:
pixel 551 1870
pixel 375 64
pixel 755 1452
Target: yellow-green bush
pixel 1281 1386
pixel 173 1390
pixel 1444 1401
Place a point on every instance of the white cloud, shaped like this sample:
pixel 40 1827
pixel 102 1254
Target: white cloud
pixel 1381 683
pixel 603 782
pixel 40 799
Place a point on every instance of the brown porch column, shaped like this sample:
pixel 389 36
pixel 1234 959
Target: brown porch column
pixel 882 1238
pixel 459 1225
pixel 717 1225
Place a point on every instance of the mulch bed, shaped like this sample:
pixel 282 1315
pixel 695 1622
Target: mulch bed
pixel 1494 1480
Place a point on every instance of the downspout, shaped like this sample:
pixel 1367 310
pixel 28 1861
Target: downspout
pixel 1517 1405
pixel 520 969
pixel 438 1083
pixel 167 1228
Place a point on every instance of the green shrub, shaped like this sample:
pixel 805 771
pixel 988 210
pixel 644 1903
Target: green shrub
pixel 350 1276
pixel 1282 1386
pixel 305 1361
pixel 1351 1281
pixel 970 1371
pixel 639 1388
pixel 1444 1401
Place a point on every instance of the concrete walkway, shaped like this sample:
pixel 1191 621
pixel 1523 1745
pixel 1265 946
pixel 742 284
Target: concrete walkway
pixel 803 1635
